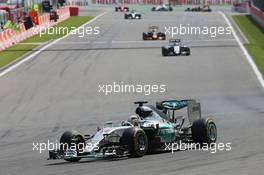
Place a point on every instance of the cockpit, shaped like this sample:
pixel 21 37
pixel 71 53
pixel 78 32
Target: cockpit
pixel 153 29
pixel 175 42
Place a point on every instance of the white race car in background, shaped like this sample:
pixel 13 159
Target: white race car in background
pixel 133 15
pixel 164 8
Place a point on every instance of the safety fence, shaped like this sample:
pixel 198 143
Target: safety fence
pixel 249 7
pixel 241 6
pixel 10 37
pixel 149 2
pixel 156 2
pixel 78 2
pixel 257 15
pixel 197 2
pixel 142 2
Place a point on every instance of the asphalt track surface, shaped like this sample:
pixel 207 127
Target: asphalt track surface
pixel 58 91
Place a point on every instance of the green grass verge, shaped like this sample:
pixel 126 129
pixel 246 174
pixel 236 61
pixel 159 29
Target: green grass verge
pixel 255 36
pixel 29 44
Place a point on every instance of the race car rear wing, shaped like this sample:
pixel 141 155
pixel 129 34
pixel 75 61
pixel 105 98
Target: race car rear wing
pixel 174 104
pixel 193 107
pixel 153 27
pixel 175 40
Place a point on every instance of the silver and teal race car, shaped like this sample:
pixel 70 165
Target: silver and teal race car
pixel 150 129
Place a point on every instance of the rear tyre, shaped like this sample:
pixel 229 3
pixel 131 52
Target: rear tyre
pixel 164 52
pixel 204 131
pixel 162 36
pixel 188 52
pixel 136 140
pixel 143 36
pixel 72 138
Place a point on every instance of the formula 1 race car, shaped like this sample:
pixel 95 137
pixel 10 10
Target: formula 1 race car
pixel 205 8
pixel 163 8
pixel 175 49
pixel 121 8
pixel 153 34
pixel 150 129
pixel 132 15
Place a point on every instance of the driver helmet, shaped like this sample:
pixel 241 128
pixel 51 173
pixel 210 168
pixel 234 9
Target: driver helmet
pixel 134 119
pixel 143 111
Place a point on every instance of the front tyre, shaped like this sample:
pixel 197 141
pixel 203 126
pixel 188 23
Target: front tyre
pixel 70 139
pixel 136 140
pixel 204 131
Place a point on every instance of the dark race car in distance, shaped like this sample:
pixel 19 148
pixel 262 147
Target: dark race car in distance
pixel 175 48
pixel 205 8
pixel 153 34
pixel 132 15
pixel 162 8
pixel 121 8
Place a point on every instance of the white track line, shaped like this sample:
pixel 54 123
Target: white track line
pixel 128 42
pixel 162 41
pixel 240 32
pixel 10 68
pixel 244 50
